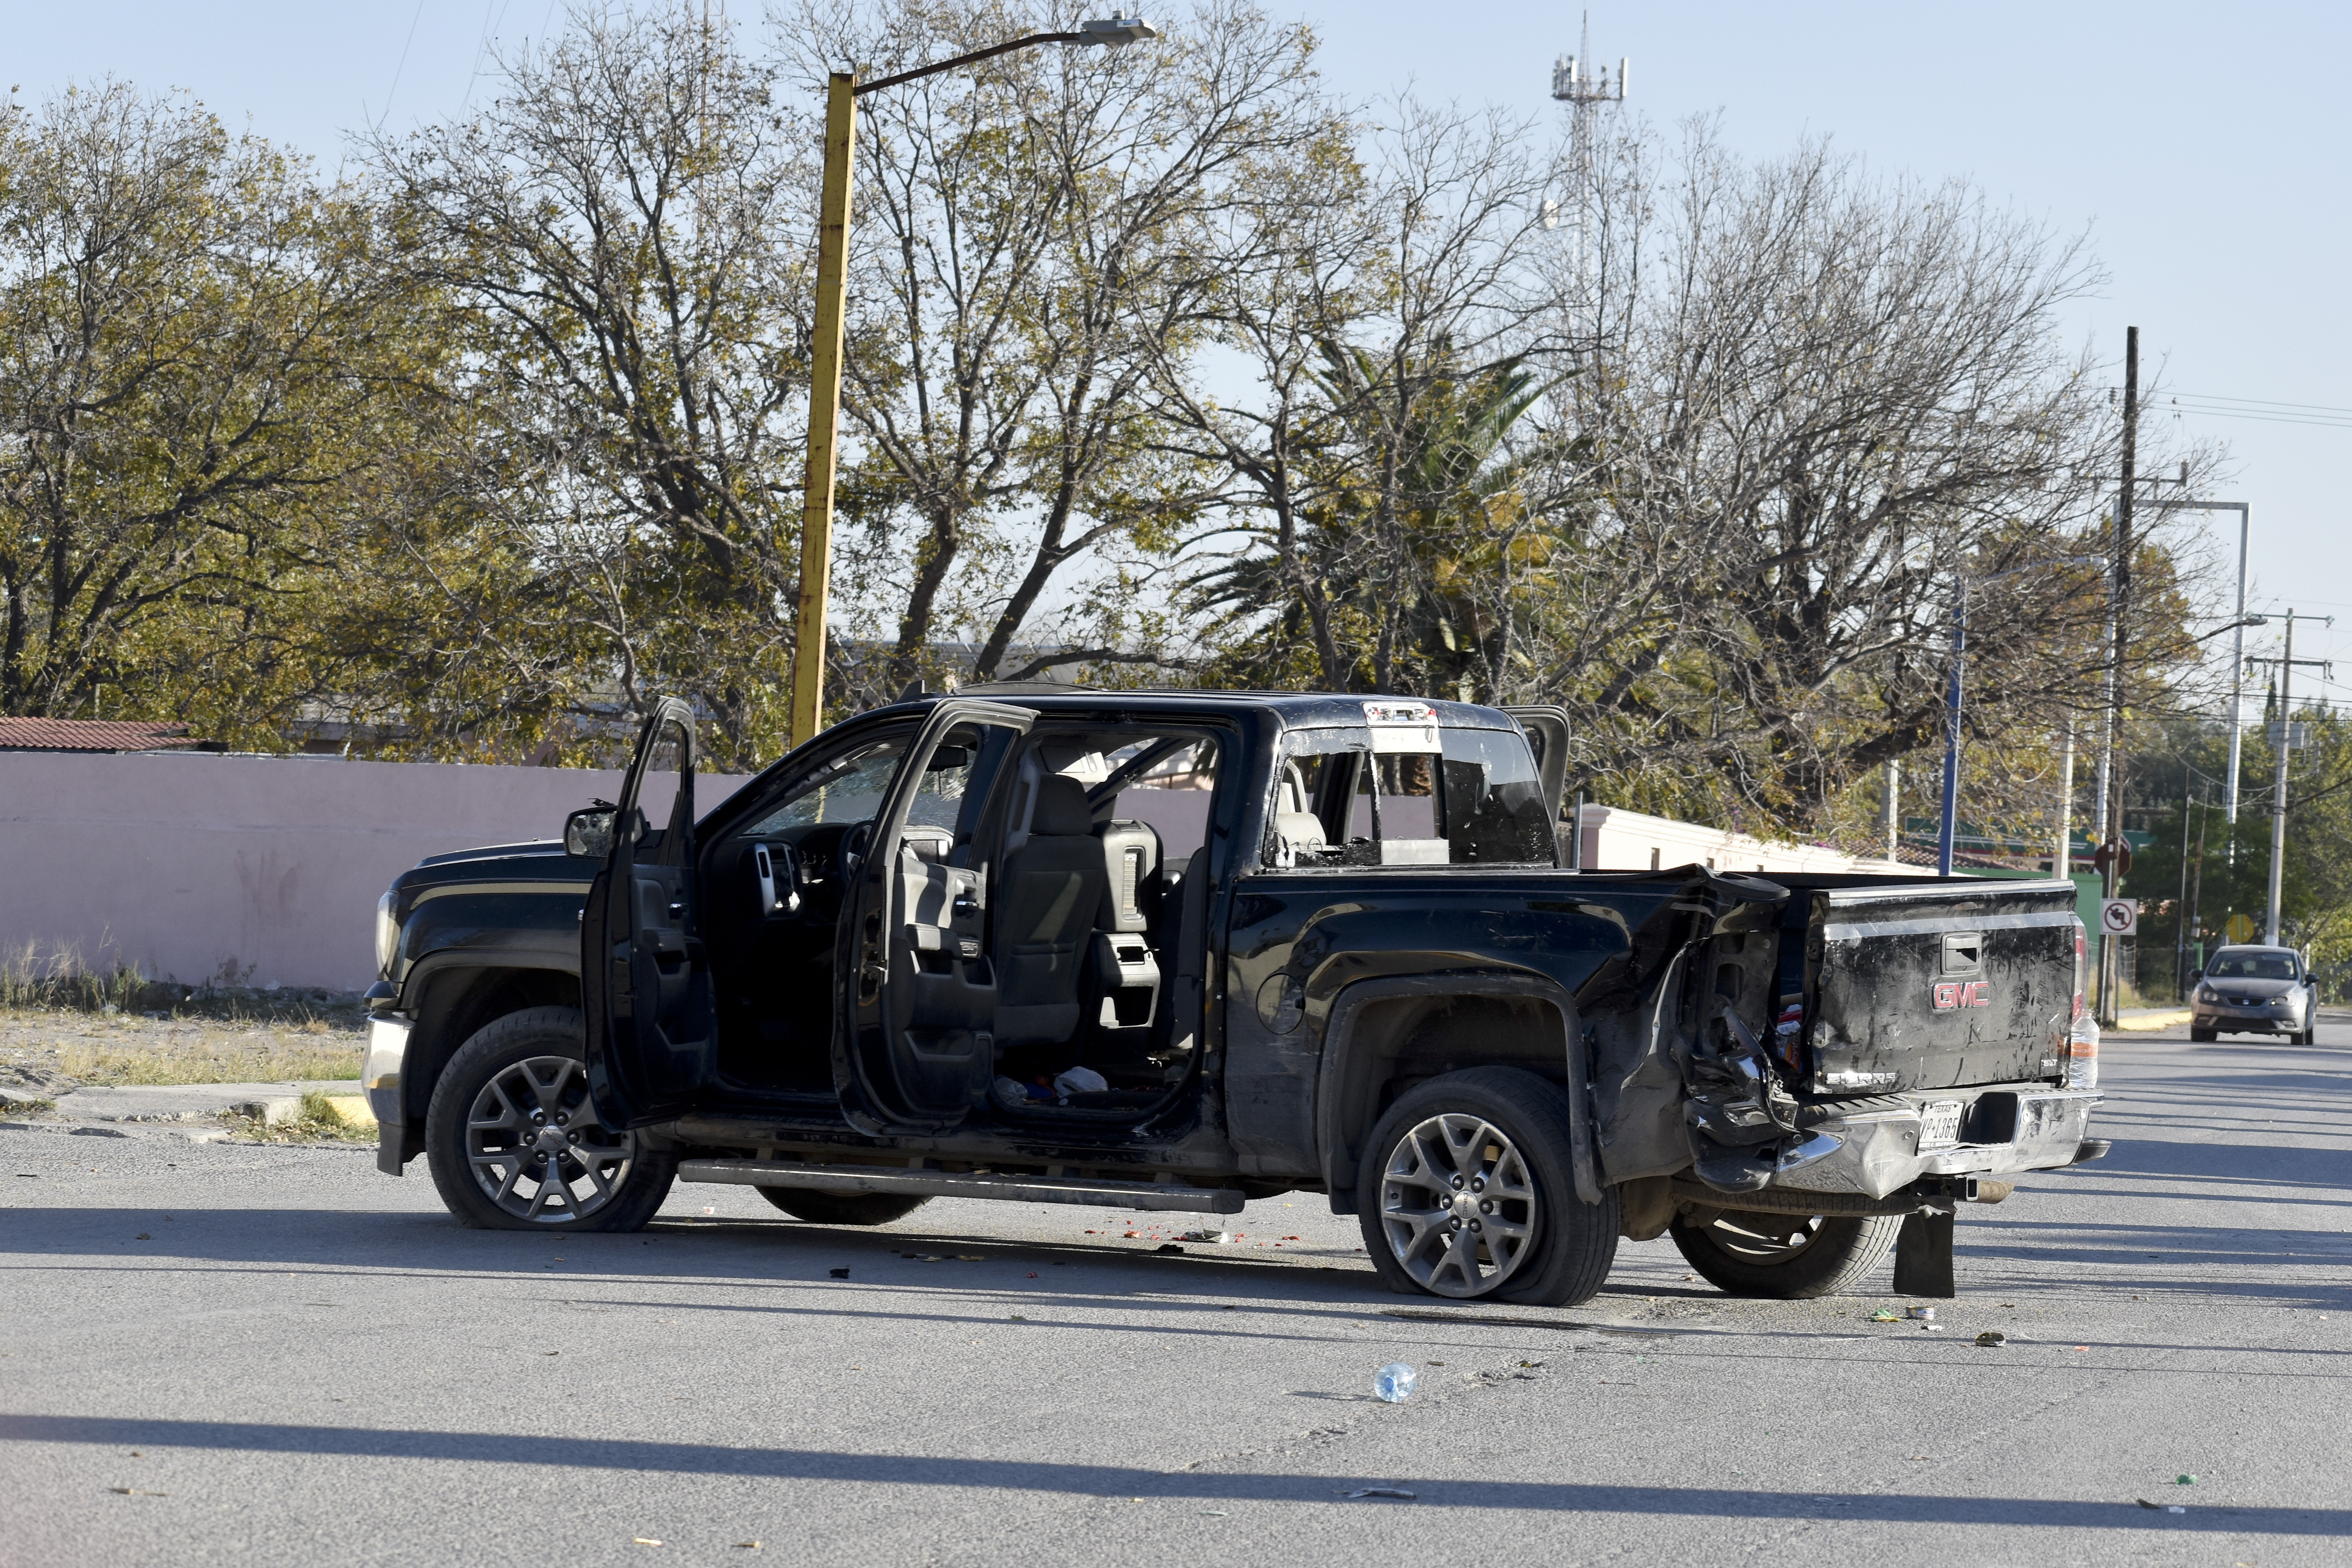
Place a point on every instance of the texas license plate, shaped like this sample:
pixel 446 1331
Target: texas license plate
pixel 1939 1124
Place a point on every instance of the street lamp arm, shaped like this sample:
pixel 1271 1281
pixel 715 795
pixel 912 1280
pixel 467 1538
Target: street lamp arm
pixel 878 83
pixel 1113 33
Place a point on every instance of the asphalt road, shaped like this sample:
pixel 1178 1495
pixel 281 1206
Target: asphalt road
pixel 289 1358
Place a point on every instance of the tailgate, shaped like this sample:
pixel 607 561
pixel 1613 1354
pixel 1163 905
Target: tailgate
pixel 1938 985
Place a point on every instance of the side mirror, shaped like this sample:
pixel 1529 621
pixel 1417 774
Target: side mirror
pixel 2196 975
pixel 588 833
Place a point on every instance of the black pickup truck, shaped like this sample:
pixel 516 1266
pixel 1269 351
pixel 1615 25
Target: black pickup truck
pixel 1179 950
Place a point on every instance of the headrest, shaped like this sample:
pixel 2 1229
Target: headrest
pixel 1062 810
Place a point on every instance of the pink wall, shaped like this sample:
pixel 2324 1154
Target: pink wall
pixel 180 864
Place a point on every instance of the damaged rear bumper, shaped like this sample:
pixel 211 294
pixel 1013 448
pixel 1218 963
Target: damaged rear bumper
pixel 2002 1128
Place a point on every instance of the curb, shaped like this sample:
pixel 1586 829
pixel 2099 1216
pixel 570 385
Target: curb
pixel 2169 1018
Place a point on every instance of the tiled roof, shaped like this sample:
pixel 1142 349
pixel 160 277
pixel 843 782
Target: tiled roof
pixel 93 735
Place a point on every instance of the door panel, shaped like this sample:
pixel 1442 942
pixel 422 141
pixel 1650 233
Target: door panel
pixel 645 977
pixel 917 1048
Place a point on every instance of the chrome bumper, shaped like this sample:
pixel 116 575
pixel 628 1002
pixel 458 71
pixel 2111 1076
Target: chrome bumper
pixel 387 1056
pixel 1878 1149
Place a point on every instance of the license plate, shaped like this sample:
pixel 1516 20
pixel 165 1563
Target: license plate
pixel 1939 1124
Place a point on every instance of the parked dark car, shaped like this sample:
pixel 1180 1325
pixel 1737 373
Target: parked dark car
pixel 1179 950
pixel 2255 991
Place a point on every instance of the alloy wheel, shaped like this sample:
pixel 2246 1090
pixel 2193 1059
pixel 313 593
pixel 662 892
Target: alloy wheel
pixel 1458 1205
pixel 534 1145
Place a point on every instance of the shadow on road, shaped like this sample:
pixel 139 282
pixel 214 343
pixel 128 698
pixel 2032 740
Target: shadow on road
pixel 1123 1481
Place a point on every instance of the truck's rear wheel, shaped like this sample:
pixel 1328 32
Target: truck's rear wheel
pixel 1466 1191
pixel 1785 1257
pixel 841 1208
pixel 514 1144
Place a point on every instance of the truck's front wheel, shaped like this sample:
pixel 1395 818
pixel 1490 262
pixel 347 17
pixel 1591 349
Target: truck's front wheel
pixel 1466 1190
pixel 1785 1257
pixel 514 1144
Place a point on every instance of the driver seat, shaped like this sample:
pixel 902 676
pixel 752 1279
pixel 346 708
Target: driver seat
pixel 1053 885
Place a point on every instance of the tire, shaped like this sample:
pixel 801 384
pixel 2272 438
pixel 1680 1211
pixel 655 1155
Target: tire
pixel 1483 1154
pixel 515 1096
pixel 2203 1036
pixel 1822 1255
pixel 841 1208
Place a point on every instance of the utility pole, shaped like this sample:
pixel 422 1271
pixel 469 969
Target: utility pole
pixel 2282 733
pixel 2181 909
pixel 2062 851
pixel 2237 651
pixel 1890 808
pixel 2111 806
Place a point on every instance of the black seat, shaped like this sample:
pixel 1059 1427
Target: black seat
pixel 1045 908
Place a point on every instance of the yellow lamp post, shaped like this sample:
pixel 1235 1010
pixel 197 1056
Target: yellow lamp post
pixel 824 384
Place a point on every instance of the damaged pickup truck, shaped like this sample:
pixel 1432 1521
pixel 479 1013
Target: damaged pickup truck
pixel 1180 950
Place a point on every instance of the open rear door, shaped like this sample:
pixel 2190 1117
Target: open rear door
pixel 644 978
pixel 916 1045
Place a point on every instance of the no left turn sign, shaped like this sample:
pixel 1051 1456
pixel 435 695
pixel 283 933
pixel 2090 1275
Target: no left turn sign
pixel 2119 916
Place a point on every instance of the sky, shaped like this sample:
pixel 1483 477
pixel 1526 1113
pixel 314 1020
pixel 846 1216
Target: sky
pixel 2201 149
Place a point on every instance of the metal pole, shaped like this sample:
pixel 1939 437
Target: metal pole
pixel 2278 803
pixel 1952 730
pixel 1890 809
pixel 824 406
pixel 2197 889
pixel 2237 684
pixel 2181 909
pixel 2062 851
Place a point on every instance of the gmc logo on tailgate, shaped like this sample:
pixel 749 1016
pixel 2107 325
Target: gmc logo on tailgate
pixel 1951 994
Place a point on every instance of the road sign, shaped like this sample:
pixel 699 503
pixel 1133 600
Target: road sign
pixel 2240 929
pixel 2119 916
pixel 2118 852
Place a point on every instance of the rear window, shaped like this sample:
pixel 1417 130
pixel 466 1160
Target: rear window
pixel 1381 796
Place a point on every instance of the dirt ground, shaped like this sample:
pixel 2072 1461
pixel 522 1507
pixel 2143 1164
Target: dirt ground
pixel 45 1050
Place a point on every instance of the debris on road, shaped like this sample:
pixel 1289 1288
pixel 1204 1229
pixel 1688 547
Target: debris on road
pixel 2184 1481
pixel 1993 1338
pixel 1207 1235
pixel 2160 1507
pixel 1381 1491
pixel 1885 1315
pixel 1924 1314
pixel 1394 1383
pixel 135 1491
pixel 840 1273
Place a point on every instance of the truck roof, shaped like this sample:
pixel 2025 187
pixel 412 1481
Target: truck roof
pixel 1293 709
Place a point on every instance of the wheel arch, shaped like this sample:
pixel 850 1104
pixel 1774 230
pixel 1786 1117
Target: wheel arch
pixel 1388 1034
pixel 452 996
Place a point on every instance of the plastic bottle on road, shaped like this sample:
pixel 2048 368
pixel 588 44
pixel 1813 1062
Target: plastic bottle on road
pixel 1394 1383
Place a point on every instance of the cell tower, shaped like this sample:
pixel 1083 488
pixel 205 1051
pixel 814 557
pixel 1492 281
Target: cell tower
pixel 1576 83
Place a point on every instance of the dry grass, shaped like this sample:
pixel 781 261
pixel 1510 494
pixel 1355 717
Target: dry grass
pixel 235 1059
pixel 115 1049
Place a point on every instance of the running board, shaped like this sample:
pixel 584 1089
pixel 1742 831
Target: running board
pixel 884 1179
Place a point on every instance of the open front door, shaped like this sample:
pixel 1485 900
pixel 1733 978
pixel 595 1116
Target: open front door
pixel 644 978
pixel 916 1045
pixel 1547 728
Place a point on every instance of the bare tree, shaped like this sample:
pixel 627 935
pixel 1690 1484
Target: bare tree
pixel 1819 400
pixel 1032 241
pixel 622 238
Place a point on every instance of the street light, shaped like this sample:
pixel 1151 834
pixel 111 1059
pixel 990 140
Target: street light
pixel 1952 700
pixel 841 92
